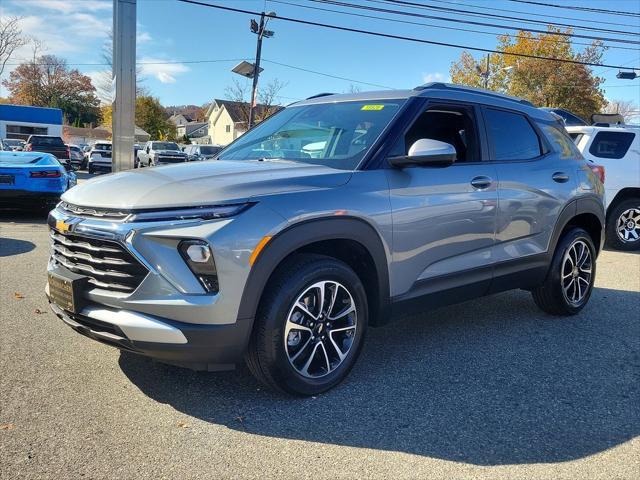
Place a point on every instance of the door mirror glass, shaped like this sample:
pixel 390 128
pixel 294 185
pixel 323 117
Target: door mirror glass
pixel 427 152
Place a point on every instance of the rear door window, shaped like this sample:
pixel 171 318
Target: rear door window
pixel 611 144
pixel 512 136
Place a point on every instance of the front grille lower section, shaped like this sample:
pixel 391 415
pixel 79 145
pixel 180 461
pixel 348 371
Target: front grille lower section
pixel 105 263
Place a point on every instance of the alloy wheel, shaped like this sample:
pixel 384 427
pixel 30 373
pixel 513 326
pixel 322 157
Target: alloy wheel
pixel 577 268
pixel 628 225
pixel 320 329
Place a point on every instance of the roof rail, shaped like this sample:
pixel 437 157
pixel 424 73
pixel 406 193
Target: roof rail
pixel 325 94
pixel 480 91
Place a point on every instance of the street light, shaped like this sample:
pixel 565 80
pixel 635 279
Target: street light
pixel 260 30
pixel 632 75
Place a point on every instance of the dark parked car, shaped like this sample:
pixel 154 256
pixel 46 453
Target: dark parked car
pixel 202 152
pixel 49 144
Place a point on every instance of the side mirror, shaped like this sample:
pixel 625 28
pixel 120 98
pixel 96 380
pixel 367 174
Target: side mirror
pixel 426 152
pixel 147 149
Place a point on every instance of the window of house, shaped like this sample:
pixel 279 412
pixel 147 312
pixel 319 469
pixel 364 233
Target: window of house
pixel 512 136
pixel 228 128
pixel 611 144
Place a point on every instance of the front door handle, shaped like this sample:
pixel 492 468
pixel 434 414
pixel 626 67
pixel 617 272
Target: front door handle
pixel 481 182
pixel 560 177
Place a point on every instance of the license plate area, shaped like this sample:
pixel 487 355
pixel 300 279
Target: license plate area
pixel 65 289
pixel 7 180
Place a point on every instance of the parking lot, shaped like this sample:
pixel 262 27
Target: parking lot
pixel 486 389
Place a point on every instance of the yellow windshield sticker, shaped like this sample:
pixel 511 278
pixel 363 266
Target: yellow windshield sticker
pixel 372 107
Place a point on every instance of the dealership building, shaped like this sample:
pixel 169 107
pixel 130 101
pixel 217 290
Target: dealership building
pixel 19 121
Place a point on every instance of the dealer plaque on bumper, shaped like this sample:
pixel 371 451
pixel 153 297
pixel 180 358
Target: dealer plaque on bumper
pixel 65 289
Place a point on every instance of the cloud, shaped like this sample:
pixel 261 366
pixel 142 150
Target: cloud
pixel 143 37
pixel 161 70
pixel 433 77
pixel 68 6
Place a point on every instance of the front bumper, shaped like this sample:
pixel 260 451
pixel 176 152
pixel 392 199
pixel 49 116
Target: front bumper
pixel 100 167
pixel 169 316
pixel 198 347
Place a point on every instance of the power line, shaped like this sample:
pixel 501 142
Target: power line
pixel 471 22
pixel 408 22
pixel 531 14
pixel 502 17
pixel 574 7
pixel 401 37
pixel 328 75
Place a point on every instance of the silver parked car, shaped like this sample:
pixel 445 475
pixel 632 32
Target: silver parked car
pixel 158 153
pixel 284 255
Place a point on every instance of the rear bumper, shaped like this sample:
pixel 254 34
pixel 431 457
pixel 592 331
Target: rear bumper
pixel 29 196
pixel 100 167
pixel 198 347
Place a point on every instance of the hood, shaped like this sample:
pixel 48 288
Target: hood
pixel 202 183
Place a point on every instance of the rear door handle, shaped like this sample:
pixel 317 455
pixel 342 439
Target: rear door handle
pixel 560 177
pixel 481 182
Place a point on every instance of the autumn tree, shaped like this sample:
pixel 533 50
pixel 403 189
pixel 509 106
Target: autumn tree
pixel 545 83
pixel 150 116
pixel 47 81
pixel 267 98
pixel 11 39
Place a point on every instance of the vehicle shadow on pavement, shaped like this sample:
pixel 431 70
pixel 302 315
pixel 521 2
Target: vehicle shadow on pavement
pixel 487 382
pixel 11 246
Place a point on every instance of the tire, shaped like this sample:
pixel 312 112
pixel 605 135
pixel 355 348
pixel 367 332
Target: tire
pixel 279 351
pixel 623 226
pixel 558 295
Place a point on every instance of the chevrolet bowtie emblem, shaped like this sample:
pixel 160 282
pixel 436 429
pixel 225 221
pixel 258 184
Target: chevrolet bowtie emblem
pixel 62 226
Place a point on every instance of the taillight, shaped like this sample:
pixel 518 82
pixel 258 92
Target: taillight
pixel 599 171
pixel 68 152
pixel 45 174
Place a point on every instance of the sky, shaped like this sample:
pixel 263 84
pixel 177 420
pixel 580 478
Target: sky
pixel 179 33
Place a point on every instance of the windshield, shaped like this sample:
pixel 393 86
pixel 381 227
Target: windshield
pixel 102 146
pixel 209 150
pixel 165 146
pixel 55 141
pixel 19 159
pixel 333 134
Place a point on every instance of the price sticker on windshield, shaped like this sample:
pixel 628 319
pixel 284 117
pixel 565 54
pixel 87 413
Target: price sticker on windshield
pixel 374 108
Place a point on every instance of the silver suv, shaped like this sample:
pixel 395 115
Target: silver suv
pixel 338 213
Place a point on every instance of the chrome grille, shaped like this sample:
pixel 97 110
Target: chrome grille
pixel 106 264
pixel 91 212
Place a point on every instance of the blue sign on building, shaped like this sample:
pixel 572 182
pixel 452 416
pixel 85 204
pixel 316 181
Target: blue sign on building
pixel 20 121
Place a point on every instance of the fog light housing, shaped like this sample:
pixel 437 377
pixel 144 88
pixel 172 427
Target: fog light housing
pixel 199 258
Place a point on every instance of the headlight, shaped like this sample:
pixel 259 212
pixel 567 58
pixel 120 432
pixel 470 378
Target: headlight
pixel 199 258
pixel 189 213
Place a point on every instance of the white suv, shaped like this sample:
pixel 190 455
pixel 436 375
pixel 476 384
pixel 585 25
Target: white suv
pixel 100 158
pixel 617 149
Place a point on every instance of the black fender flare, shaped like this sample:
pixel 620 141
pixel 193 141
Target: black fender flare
pixel 591 204
pixel 305 233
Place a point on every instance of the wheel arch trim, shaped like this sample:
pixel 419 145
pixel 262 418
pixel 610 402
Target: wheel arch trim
pixel 307 232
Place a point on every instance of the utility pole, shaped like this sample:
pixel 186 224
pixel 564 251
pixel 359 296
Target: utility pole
pixel 124 81
pixel 258 29
pixel 486 74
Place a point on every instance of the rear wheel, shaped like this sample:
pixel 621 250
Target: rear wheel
pixel 310 327
pixel 571 276
pixel 623 225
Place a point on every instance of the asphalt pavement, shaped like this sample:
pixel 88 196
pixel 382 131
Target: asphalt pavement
pixel 491 388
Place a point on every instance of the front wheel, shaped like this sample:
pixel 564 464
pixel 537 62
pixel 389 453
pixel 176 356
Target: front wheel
pixel 310 327
pixel 571 276
pixel 623 225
